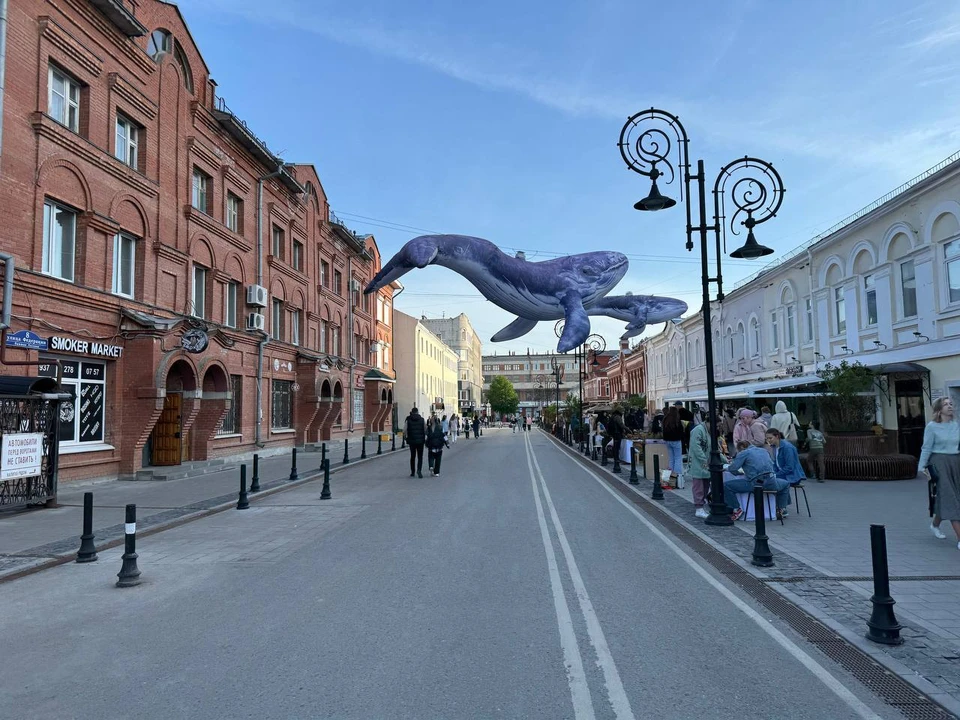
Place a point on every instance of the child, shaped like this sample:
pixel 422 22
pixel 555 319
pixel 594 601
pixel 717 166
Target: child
pixel 815 445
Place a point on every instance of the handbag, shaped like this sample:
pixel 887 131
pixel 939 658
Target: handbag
pixel 792 430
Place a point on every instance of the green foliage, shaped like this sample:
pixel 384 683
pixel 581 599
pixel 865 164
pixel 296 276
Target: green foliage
pixel 574 408
pixel 842 406
pixel 502 397
pixel 635 402
pixel 550 414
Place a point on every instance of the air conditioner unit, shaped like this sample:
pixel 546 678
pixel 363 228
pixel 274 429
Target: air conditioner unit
pixel 256 295
pixel 256 321
pixel 355 285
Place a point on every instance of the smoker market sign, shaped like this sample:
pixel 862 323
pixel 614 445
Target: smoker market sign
pixel 20 455
pixel 85 347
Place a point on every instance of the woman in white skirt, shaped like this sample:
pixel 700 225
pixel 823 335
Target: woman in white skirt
pixel 940 459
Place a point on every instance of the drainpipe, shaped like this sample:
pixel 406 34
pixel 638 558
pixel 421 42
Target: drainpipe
pixel 266 338
pixel 3 72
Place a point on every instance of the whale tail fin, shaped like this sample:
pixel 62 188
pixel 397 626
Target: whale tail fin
pixel 417 253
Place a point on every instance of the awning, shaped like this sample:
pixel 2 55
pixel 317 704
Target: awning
pixel 899 367
pixel 20 386
pixel 378 376
pixel 747 390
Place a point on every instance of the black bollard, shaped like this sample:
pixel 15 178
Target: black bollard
pixel 593 452
pixel 379 444
pixel 293 465
pixel 323 453
pixel 129 574
pixel 762 557
pixel 255 480
pixel 393 442
pixel 88 551
pixel 634 478
pixel 363 448
pixel 657 487
pixel 346 451
pixel 883 624
pixel 325 493
pixel 242 502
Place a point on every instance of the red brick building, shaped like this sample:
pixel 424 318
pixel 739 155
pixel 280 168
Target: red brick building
pixel 201 297
pixel 627 372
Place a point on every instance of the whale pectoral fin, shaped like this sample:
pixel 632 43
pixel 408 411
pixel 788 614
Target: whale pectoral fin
pixel 576 323
pixel 637 325
pixel 518 328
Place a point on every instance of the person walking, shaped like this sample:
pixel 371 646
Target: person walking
pixel 415 430
pixel 529 423
pixel 436 440
pixel 617 431
pixel 816 443
pixel 673 437
pixel 445 424
pixel 476 426
pixel 513 425
pixel 785 422
pixel 940 461
pixel 454 428
pixel 698 459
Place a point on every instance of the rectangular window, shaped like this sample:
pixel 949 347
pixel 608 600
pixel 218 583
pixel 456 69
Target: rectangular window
pixel 791 326
pixel 358 408
pixel 127 142
pixel 86 384
pixel 324 332
pixel 200 197
pixel 230 425
pixel 199 291
pixel 276 320
pixel 282 416
pixel 230 304
pixel 808 313
pixel 840 310
pixel 59 240
pixel 297 255
pixel 338 282
pixel 870 298
pixel 64 100
pixel 278 242
pixel 325 273
pixel 234 213
pixel 295 318
pixel 952 257
pixel 774 331
pixel 908 288
pixel 386 357
pixel 335 341
pixel 124 264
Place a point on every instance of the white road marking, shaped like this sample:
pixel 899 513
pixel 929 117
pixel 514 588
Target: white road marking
pixel 615 691
pixel 820 672
pixel 576 678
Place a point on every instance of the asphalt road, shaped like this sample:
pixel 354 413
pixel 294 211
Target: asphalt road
pixel 513 586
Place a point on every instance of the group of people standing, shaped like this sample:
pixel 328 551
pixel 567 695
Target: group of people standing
pixel 434 434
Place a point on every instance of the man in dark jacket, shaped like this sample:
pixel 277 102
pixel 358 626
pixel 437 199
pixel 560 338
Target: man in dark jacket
pixel 415 430
pixel 617 430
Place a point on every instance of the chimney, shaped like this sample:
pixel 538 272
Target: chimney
pixel 624 345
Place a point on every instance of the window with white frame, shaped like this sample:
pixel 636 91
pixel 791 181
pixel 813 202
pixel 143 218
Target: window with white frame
pixel 160 42
pixel 774 331
pixel 83 416
pixel 59 240
pixel 230 425
pixel 324 332
pixel 297 255
pixel 234 213
pixel 951 256
pixel 908 289
pixel 278 242
pixel 295 319
pixel 127 142
pixel 839 310
pixel 200 194
pixel 870 299
pixel 276 320
pixel 324 273
pixel 386 357
pixel 199 308
pixel 64 99
pixel 124 264
pixel 791 326
pixel 699 356
pixel 808 319
pixel 232 289
pixel 755 334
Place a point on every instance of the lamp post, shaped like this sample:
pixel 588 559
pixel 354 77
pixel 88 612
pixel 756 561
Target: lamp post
pixel 596 345
pixel 541 386
pixel 557 372
pixel 755 190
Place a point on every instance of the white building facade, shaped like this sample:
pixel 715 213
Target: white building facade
pixel 426 368
pixel 882 288
pixel 458 333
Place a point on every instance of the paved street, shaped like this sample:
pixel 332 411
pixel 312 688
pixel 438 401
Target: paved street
pixel 517 585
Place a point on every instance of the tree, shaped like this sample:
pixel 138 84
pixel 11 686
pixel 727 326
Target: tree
pixel 502 397
pixel 843 407
pixel 574 408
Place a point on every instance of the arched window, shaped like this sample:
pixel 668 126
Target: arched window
pixel 159 44
pixel 754 337
pixel 184 64
pixel 697 354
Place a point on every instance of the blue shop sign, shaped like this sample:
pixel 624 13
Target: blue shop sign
pixel 27 340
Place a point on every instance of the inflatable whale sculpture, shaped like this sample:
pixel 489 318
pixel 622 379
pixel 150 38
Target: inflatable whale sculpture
pixel 570 287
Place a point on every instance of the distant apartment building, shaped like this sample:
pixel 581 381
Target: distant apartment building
pixel 532 377
pixel 458 334
pixel 426 368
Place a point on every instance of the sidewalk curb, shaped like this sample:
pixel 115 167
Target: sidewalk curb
pixel 310 476
pixel 919 683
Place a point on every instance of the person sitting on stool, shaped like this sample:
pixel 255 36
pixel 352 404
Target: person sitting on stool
pixel 757 469
pixel 786 460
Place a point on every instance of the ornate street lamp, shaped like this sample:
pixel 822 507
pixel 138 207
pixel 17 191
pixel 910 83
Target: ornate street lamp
pixel 754 189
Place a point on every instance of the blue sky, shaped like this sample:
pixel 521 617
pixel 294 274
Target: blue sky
pixel 501 119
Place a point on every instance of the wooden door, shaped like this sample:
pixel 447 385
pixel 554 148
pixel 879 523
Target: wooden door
pixel 166 433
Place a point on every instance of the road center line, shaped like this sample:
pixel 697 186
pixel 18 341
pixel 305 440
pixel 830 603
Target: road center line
pixel 615 691
pixel 820 672
pixel 576 677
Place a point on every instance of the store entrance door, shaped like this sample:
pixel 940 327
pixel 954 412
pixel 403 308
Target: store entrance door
pixel 166 439
pixel 910 419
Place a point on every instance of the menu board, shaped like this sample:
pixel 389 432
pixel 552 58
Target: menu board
pixel 91 412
